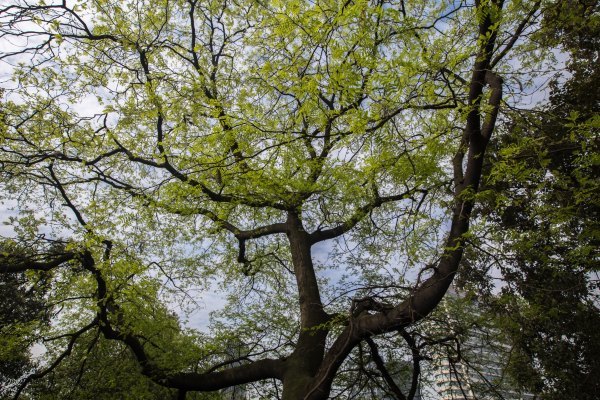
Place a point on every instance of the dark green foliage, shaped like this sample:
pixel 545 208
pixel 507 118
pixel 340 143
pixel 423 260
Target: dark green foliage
pixel 543 198
pixel 22 307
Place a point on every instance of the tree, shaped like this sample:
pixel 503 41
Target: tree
pixel 170 144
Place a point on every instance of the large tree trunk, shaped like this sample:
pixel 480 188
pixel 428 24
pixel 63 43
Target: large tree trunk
pixel 307 357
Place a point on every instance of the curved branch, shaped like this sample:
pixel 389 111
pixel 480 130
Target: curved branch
pixel 516 35
pixel 65 197
pixel 211 194
pixel 359 214
pixel 427 296
pixel 416 359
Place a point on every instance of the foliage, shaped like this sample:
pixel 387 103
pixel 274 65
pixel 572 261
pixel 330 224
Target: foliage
pixel 180 146
pixel 98 369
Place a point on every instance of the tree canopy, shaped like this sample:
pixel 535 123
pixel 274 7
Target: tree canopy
pixel 318 162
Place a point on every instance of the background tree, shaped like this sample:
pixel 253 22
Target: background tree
pixel 543 210
pixel 181 143
pixel 22 311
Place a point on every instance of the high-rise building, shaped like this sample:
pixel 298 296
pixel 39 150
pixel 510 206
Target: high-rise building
pixel 476 368
pixel 236 350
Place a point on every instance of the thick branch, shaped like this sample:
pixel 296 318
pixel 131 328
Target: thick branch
pixel 13 263
pixel 251 372
pixel 311 307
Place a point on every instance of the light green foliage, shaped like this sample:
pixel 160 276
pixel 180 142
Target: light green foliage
pixel 99 369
